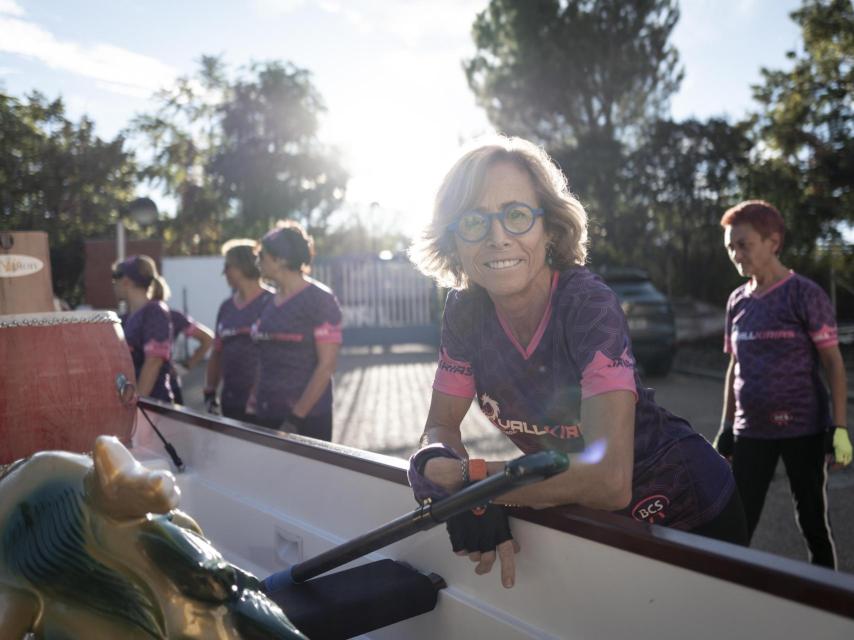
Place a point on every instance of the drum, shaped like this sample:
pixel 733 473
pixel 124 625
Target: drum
pixel 66 378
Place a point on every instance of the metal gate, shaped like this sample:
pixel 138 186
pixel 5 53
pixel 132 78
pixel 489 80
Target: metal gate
pixel 384 302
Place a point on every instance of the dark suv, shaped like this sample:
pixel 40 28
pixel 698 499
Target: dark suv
pixel 652 326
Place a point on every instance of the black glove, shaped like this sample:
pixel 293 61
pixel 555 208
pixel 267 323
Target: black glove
pixel 725 440
pixel 292 424
pixel 470 532
pixel 212 403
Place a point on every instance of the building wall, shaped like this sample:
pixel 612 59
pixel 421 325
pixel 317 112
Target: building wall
pixel 100 256
pixel 198 286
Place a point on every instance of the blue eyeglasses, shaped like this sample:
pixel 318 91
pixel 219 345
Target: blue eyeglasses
pixel 516 218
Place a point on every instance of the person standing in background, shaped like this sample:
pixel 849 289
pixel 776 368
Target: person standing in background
pixel 234 360
pixel 780 326
pixel 147 325
pixel 299 334
pixel 186 326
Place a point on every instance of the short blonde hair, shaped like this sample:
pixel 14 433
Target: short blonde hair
pixel 240 252
pixel 565 219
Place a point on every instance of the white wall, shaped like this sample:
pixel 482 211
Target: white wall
pixel 199 281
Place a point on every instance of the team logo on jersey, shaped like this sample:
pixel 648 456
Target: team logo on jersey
pixel 775 334
pixel 781 418
pixel 651 509
pixel 489 407
pixel 448 364
pixel 491 410
pixel 622 361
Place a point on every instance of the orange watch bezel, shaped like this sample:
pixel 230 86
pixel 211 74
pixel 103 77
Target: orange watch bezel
pixel 477 469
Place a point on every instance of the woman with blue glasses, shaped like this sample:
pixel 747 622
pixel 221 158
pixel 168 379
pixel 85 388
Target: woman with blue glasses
pixel 543 346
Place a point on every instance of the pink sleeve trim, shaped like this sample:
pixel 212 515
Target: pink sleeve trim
pixel 328 333
pixel 825 337
pixel 217 344
pixel 605 374
pixel 727 344
pixel 158 349
pixel 454 377
pixel 192 330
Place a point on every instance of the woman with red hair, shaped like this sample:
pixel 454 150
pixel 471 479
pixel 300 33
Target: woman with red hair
pixel 780 326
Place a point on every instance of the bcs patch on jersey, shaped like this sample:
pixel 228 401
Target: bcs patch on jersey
pixel 652 509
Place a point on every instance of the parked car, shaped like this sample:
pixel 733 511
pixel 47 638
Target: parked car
pixel 652 325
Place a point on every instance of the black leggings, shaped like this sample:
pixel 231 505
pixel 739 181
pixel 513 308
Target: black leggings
pixel 730 525
pixel 753 464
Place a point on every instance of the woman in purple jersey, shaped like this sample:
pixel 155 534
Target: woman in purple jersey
pixel 182 325
pixel 234 360
pixel 147 325
pixel 779 327
pixel 299 334
pixel 543 346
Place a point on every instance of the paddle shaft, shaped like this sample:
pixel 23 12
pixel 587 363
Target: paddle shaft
pixel 524 470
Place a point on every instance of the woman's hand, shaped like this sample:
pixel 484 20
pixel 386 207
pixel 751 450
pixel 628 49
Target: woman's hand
pixel 445 472
pixel 483 535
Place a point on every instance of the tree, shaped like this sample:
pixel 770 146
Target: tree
pixel 805 129
pixel 240 154
pixel 271 160
pixel 580 77
pixel 58 176
pixel 180 138
pixel 678 184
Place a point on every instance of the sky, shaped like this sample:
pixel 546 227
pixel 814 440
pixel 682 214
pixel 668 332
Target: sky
pixel 390 72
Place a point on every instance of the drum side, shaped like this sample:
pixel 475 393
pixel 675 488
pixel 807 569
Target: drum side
pixel 59 388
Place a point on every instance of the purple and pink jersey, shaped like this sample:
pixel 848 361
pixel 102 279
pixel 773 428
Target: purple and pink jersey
pixel 775 337
pixel 287 333
pixel 238 352
pixel 148 332
pixel 183 324
pixel 581 349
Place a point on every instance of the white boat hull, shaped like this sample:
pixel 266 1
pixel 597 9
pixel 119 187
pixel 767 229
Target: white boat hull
pixel 269 501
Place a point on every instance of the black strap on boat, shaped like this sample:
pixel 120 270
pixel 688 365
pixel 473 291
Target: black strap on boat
pixel 519 472
pixel 179 464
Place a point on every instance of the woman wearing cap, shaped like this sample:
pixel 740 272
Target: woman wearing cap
pixel 780 331
pixel 542 344
pixel 147 325
pixel 299 334
pixel 234 360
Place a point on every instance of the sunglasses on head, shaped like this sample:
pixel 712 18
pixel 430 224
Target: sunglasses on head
pixel 118 275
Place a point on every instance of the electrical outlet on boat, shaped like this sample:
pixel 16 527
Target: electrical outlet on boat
pixel 287 548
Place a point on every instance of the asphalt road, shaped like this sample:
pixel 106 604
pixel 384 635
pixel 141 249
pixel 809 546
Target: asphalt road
pixel 381 402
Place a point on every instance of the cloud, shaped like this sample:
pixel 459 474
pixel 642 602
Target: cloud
pixel 414 22
pixel 275 7
pixel 11 8
pixel 410 22
pixel 113 66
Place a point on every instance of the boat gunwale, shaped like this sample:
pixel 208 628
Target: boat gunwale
pixel 785 578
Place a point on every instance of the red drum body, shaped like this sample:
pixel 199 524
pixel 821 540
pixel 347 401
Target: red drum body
pixel 65 378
